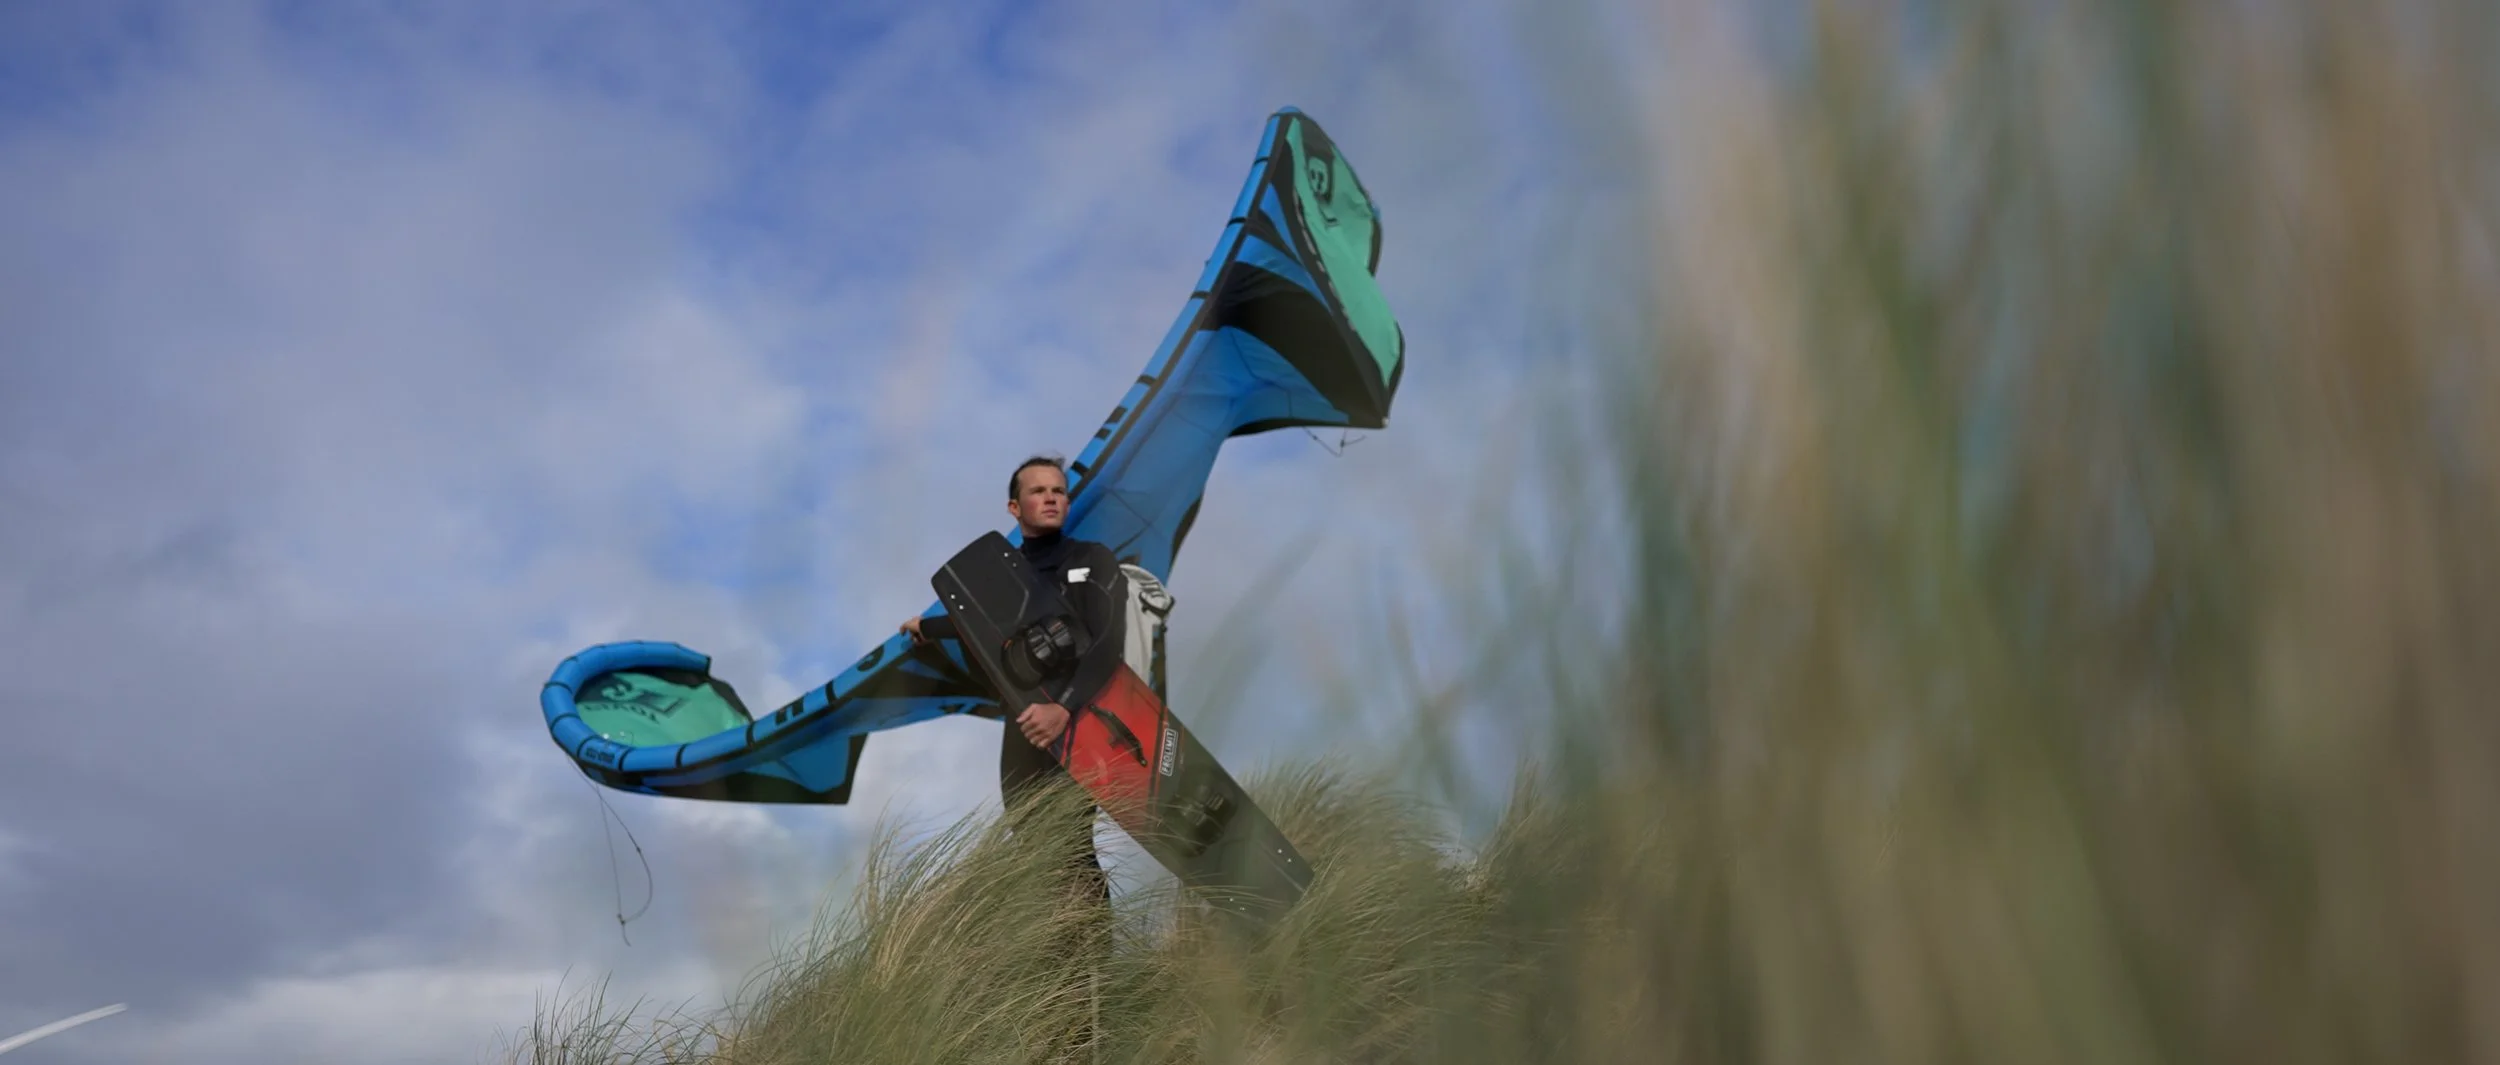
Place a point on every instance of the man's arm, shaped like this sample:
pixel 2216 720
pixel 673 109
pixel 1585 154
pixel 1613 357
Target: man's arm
pixel 1102 597
pixel 941 627
pixel 1101 600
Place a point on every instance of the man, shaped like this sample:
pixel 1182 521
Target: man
pixel 1088 574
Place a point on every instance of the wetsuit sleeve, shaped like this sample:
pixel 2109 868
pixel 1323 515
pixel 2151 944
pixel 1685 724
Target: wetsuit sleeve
pixel 941 627
pixel 1100 601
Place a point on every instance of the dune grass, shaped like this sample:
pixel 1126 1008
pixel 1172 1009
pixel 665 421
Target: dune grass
pixel 2066 555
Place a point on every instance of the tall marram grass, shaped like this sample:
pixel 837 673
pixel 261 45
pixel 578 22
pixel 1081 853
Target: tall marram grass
pixel 2066 554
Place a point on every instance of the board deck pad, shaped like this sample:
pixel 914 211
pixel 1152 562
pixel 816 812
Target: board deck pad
pixel 1124 746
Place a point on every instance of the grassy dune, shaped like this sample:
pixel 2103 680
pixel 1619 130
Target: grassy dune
pixel 2062 480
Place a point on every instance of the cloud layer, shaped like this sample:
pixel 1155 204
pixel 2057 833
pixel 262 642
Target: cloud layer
pixel 360 364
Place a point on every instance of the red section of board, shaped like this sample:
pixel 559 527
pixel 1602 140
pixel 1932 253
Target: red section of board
pixel 1122 763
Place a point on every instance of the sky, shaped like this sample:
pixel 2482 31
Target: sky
pixel 358 361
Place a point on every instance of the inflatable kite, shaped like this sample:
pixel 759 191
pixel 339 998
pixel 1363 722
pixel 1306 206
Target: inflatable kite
pixel 1287 328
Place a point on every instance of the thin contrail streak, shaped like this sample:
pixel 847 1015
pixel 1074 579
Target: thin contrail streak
pixel 59 1026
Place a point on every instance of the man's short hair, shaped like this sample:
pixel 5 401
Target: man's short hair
pixel 1016 478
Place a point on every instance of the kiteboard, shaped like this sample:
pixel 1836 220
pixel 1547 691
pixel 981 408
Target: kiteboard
pixel 1127 749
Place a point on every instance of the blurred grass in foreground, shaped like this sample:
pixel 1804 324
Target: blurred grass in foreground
pixel 2067 627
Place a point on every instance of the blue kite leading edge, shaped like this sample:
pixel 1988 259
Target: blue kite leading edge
pixel 1286 328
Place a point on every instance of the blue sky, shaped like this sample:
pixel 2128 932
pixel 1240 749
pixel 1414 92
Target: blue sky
pixel 358 361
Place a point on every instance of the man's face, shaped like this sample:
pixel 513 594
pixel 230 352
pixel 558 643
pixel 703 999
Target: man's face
pixel 1041 501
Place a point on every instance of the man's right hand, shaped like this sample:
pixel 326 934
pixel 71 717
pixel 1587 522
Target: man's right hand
pixel 911 626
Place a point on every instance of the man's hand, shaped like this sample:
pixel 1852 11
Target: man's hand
pixel 1042 722
pixel 911 625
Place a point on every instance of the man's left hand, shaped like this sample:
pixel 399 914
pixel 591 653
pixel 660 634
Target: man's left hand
pixel 1042 722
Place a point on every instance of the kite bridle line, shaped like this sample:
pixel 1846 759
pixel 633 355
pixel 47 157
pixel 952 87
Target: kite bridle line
pixel 1345 439
pixel 649 885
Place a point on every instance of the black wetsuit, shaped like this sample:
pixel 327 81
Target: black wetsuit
pixel 1089 576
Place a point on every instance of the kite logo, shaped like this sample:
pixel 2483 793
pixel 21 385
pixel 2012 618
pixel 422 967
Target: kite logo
pixel 605 751
pixel 1171 746
pixel 624 695
pixel 1321 173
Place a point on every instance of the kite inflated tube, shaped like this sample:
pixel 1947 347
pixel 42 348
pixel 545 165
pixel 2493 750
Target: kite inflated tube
pixel 648 716
pixel 558 698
